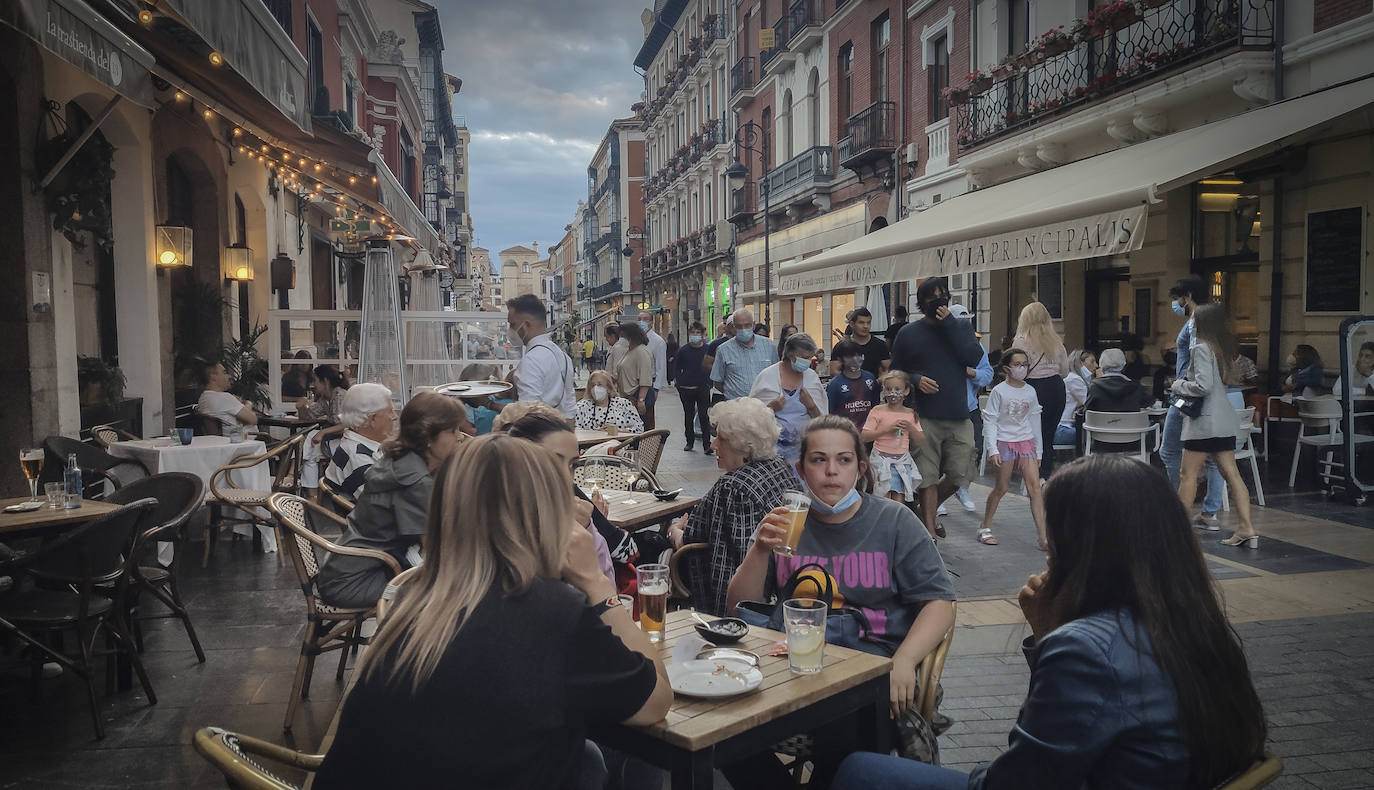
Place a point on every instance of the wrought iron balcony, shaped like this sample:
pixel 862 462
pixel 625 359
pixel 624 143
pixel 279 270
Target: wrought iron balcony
pixel 1116 55
pixel 811 168
pixel 743 78
pixel 744 202
pixel 870 134
pixel 779 42
pixel 609 288
pixel 804 20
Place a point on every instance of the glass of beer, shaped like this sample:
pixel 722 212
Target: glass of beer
pixel 31 459
pixel 653 600
pixel 804 619
pixel 798 505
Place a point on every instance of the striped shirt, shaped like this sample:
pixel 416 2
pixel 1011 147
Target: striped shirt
pixel 726 519
pixel 349 462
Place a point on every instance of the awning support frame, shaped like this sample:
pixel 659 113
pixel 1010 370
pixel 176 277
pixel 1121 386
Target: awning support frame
pixel 81 140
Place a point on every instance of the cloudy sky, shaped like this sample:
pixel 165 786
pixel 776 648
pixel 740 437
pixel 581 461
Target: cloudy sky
pixel 542 80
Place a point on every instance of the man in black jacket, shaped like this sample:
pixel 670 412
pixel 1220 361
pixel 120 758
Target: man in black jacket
pixel 937 352
pixel 1112 390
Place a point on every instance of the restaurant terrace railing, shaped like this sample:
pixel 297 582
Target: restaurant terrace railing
pixel 1115 48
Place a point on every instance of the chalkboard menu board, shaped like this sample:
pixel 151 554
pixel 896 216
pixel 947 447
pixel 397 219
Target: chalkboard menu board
pixel 1335 255
pixel 1049 288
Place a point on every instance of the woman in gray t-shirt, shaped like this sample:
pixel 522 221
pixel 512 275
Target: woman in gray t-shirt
pixel 882 560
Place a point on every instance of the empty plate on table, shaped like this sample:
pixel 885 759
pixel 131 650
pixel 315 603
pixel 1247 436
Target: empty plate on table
pixel 722 678
pixel 472 389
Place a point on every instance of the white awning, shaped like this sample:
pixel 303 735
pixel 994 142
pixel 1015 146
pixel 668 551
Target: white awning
pixel 1084 209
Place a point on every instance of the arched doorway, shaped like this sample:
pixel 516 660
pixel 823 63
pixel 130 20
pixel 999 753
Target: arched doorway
pixel 199 306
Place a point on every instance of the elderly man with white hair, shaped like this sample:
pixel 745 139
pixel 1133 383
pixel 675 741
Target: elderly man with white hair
pixel 369 417
pixel 739 361
pixel 1111 390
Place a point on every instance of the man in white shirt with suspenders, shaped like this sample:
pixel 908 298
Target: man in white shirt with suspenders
pixel 545 372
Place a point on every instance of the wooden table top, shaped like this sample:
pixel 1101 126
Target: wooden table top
pixel 290 421
pixel 694 724
pixel 646 511
pixel 43 517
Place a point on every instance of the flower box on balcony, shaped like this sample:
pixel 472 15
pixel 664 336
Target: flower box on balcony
pixel 1054 42
pixel 979 84
pixel 956 96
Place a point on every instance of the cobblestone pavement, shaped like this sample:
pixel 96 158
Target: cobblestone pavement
pixel 1303 604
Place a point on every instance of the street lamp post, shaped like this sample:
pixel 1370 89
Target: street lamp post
pixel 747 136
pixel 629 252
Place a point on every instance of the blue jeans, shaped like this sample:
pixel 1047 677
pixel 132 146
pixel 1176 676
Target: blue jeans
pixel 1171 453
pixel 1065 434
pixel 867 771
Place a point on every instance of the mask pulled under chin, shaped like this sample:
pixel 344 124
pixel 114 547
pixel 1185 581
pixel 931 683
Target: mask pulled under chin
pixel 846 502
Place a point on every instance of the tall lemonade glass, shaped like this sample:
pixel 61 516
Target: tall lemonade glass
pixel 653 600
pixel 804 619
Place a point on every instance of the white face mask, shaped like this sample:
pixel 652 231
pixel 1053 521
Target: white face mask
pixel 513 333
pixel 1018 372
pixel 599 393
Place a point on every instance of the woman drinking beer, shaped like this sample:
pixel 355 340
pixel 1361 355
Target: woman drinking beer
pixel 881 559
pixel 503 649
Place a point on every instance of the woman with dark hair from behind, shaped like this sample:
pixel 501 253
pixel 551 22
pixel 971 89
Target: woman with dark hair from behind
pixel 1137 679
pixel 1213 432
pixel 1305 372
pixel 391 510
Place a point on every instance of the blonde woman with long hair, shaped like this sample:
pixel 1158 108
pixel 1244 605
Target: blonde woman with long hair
pixel 505 646
pixel 1049 364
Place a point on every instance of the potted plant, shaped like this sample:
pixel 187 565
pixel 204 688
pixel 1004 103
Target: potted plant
pixel 1055 41
pixel 978 82
pixel 1111 17
pixel 956 96
pixel 99 383
pixel 247 369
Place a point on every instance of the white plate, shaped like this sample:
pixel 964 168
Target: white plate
pixel 713 678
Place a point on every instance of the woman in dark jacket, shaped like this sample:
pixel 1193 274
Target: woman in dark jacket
pixel 394 503
pixel 1137 680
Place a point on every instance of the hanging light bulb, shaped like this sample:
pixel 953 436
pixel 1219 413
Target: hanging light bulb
pixel 352 180
pixel 208 114
pixel 238 132
pixel 266 148
pixel 286 156
pixel 216 59
pixel 301 161
pixel 318 167
pixel 179 96
pixel 145 16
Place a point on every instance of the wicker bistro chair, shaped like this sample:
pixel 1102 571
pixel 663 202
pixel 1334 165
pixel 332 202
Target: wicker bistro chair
pixel 179 495
pixel 616 473
pixel 327 627
pixel 284 461
pixel 335 498
pixel 106 435
pixel 82 560
pixel 648 446
pixel 237 758
pixel 1264 771
pixel 392 590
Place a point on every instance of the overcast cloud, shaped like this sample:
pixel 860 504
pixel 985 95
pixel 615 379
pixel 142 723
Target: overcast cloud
pixel 542 80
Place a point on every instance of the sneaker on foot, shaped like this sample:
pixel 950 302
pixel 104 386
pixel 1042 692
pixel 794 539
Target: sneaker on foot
pixel 688 448
pixel 965 500
pixel 1207 521
pixel 708 451
pixel 942 511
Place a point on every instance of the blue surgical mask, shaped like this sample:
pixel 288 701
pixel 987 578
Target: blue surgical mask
pixel 1179 309
pixel 694 338
pixel 801 365
pixel 1087 374
pixel 644 325
pixel 744 335
pixel 846 502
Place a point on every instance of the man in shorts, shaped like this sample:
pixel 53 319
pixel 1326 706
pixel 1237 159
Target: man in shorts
pixel 936 352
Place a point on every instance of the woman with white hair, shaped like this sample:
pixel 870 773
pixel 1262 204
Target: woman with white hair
pixel 368 416
pixel 793 391
pixel 725 519
pixel 1112 390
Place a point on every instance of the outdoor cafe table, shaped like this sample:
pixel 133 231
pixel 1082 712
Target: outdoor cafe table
pixel 701 734
pixel 588 438
pixel 290 422
pixel 202 458
pixel 632 510
pixel 44 517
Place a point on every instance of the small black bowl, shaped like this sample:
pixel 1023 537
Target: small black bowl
pixel 665 495
pixel 725 630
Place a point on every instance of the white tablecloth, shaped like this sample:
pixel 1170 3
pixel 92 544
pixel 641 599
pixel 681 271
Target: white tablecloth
pixel 202 457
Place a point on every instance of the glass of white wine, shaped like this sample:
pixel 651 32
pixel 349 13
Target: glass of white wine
pixel 634 474
pixel 31 459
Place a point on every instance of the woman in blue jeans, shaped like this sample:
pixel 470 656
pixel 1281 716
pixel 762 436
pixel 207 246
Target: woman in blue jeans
pixel 1137 680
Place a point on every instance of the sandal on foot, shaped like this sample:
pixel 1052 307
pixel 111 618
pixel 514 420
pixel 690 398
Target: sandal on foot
pixel 986 538
pixel 1249 541
pixel 939 530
